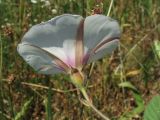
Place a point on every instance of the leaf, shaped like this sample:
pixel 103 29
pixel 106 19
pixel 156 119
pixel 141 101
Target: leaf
pixel 137 110
pixel 157 48
pixel 127 85
pixel 132 73
pixel 139 102
pixel 152 111
pixel 138 99
pixel 20 115
pixel 48 105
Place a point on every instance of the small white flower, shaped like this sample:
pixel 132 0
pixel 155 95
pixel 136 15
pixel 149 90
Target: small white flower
pixel 30 25
pixel 2 26
pixel 34 1
pixel 69 42
pixel 54 11
pixel 6 19
pixel 35 20
pixel 47 3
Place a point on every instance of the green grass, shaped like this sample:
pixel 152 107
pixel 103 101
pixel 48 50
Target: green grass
pixel 139 20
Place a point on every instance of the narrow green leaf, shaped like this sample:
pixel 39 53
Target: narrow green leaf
pixel 21 115
pixel 157 48
pixel 127 85
pixel 48 105
pixel 138 99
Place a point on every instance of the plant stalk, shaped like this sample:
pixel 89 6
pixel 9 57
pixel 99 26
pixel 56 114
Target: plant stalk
pixel 84 93
pixel 110 7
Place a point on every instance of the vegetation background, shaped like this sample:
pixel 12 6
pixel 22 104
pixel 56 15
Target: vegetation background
pixel 119 85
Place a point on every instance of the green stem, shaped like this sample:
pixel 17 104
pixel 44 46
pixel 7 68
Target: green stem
pixel 91 105
pixel 110 6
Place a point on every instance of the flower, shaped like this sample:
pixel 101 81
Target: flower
pixel 68 42
pixel 54 11
pixel 34 1
pixel 47 3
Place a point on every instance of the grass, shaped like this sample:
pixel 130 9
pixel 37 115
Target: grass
pixel 24 94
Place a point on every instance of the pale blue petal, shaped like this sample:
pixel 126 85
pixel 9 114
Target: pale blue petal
pixel 97 29
pixel 105 50
pixel 39 60
pixel 54 32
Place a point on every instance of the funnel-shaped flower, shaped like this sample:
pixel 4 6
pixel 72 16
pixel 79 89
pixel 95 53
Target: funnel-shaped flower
pixel 67 42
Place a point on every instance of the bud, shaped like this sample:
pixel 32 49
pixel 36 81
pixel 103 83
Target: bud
pixel 77 78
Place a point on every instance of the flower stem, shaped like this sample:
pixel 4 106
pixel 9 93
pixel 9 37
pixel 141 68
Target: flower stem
pixel 91 105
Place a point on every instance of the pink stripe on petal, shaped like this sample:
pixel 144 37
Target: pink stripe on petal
pixel 71 62
pixel 79 52
pixel 86 58
pixel 97 48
